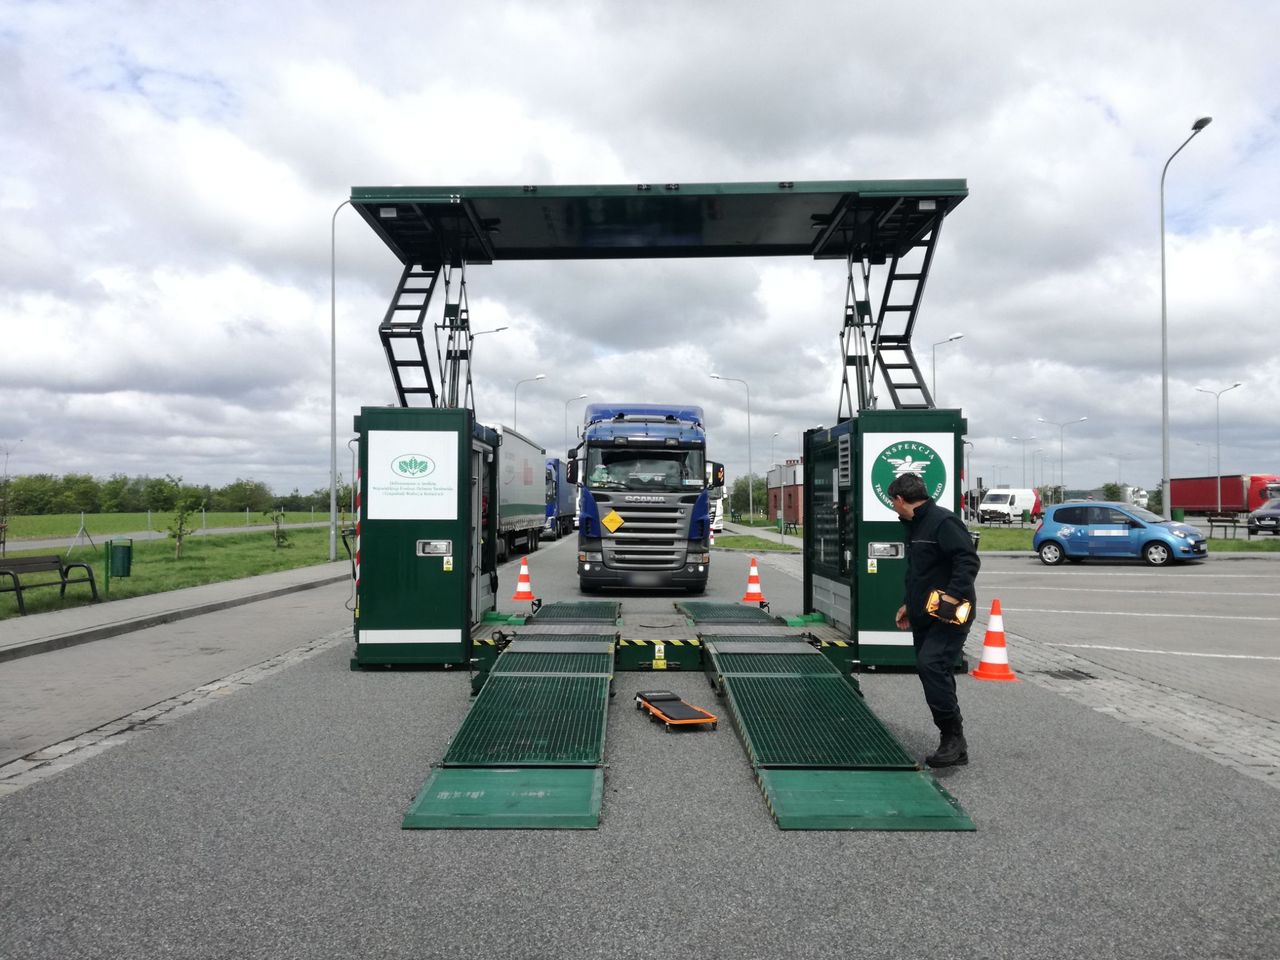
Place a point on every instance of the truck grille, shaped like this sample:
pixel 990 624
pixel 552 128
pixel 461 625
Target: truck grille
pixel 653 536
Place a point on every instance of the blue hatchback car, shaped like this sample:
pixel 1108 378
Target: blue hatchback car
pixel 1091 529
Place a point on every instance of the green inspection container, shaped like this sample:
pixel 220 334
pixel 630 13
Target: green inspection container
pixel 120 557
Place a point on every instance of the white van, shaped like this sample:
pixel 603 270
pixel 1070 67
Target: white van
pixel 1005 505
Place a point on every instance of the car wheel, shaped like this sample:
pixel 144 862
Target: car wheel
pixel 1156 554
pixel 1051 553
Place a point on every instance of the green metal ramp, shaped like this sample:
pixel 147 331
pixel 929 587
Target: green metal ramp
pixel 478 798
pixel 824 761
pixel 708 611
pixel 579 611
pixel 529 753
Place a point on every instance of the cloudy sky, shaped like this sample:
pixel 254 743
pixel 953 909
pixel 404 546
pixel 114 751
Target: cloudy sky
pixel 168 172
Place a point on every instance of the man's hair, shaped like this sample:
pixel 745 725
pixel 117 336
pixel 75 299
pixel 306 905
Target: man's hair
pixel 909 487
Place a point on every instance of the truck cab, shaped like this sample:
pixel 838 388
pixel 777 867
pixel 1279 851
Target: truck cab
pixel 645 507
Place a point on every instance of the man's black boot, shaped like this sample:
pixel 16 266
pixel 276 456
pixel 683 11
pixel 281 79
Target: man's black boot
pixel 952 750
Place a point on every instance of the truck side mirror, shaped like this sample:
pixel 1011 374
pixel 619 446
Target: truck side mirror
pixel 571 469
pixel 717 474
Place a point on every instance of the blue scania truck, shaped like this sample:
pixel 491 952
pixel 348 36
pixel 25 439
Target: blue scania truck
pixel 644 519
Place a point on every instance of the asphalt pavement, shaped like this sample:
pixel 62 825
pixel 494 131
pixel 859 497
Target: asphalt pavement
pixel 257 815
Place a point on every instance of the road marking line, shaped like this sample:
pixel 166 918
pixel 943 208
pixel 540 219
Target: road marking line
pixel 1125 613
pixel 1180 593
pixel 1167 653
pixel 1102 573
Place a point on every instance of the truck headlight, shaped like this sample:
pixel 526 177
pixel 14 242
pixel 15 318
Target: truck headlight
pixel 590 556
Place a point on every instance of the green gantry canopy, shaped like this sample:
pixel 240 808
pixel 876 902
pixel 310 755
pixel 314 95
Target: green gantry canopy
pixel 872 220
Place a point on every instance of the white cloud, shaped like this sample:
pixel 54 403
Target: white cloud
pixel 169 180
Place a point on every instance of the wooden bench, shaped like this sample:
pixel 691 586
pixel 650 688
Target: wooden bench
pixel 18 569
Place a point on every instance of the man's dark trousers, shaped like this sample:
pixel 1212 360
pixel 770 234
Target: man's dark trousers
pixel 938 647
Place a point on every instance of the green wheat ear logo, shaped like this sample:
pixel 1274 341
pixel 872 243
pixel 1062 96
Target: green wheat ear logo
pixel 908 456
pixel 412 465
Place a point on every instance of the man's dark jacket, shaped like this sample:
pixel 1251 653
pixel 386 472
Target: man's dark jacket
pixel 940 555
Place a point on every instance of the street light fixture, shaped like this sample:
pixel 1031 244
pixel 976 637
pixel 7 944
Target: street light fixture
pixel 481 333
pixel 515 393
pixel 1024 441
pixel 1217 457
pixel 934 366
pixel 1062 483
pixel 1165 506
pixel 751 503
pixel 581 396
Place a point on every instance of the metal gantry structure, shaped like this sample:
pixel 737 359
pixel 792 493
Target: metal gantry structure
pixel 886 231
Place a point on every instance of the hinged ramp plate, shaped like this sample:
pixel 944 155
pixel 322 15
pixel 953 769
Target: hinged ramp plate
pixel 508 798
pixel 860 800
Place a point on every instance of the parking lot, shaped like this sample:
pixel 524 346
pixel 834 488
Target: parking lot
pixel 1120 812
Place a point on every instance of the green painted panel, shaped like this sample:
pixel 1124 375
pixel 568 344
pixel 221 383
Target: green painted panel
pixel 518 798
pixel 860 800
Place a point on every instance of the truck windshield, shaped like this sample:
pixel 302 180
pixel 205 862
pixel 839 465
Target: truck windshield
pixel 623 468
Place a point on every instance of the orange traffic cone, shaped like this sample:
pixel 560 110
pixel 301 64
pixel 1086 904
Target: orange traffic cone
pixel 524 586
pixel 995 655
pixel 753 594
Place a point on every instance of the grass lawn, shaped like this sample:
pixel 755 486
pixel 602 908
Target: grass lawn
pixel 759 544
pixel 204 560
pixel 102 524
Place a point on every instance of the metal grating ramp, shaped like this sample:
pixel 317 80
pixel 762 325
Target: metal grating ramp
pixel 779 648
pixel 515 661
pixel 708 611
pixel 810 721
pixel 754 664
pixel 579 611
pixel 534 721
pixel 529 754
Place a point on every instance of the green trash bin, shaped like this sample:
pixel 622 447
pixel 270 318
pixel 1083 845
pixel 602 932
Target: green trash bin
pixel 1179 514
pixel 120 557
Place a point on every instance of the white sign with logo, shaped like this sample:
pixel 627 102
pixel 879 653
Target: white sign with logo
pixel 886 456
pixel 413 475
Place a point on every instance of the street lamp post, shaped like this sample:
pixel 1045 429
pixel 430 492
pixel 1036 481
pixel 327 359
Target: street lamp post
pixel 581 396
pixel 1217 456
pixel 515 395
pixel 933 369
pixel 1062 482
pixel 1024 441
pixel 751 503
pixel 333 382
pixel 1165 505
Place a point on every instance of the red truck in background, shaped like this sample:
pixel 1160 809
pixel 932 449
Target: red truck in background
pixel 1240 493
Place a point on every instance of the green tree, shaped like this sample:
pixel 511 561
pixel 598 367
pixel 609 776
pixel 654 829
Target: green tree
pixel 78 492
pixel 1155 499
pixel 161 493
pixel 183 521
pixel 33 494
pixel 738 499
pixel 243 495
pixel 1112 491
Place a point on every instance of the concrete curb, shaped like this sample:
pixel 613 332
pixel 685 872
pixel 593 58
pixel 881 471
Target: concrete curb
pixel 88 635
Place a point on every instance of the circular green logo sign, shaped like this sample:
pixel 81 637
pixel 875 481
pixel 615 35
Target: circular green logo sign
pixel 908 456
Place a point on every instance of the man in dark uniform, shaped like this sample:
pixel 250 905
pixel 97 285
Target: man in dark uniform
pixel 940 556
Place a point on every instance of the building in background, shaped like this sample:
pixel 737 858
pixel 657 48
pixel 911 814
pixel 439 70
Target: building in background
pixel 786 492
